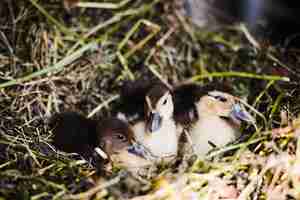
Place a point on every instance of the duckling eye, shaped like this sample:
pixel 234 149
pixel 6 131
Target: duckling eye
pixel 165 101
pixel 220 98
pixel 121 137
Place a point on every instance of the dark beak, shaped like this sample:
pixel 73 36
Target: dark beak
pixel 238 113
pixel 154 122
pixel 137 150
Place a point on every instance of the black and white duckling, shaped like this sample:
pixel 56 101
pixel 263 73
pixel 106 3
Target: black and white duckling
pixel 158 132
pixel 219 116
pixel 110 138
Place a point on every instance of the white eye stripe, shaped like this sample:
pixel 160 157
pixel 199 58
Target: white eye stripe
pixel 216 93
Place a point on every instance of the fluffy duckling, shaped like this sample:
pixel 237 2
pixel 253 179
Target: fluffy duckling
pixel 218 123
pixel 158 132
pixel 111 138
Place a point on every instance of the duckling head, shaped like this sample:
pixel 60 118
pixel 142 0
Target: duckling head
pixel 158 107
pixel 223 105
pixel 114 135
pixel 116 140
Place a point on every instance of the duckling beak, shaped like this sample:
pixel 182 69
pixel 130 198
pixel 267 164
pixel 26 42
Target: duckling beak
pixel 136 149
pixel 238 113
pixel 154 122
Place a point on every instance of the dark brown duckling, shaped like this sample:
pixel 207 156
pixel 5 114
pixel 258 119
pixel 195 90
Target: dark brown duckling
pixel 109 138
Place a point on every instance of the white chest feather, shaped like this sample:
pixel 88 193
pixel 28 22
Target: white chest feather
pixel 161 143
pixel 212 130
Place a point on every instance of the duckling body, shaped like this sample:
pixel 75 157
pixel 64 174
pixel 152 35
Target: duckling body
pixel 210 132
pixel 111 138
pixel 161 143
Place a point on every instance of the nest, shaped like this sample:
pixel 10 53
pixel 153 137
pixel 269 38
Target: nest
pixel 58 56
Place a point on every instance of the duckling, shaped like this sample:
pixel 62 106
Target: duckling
pixel 218 123
pixel 112 138
pixel 158 132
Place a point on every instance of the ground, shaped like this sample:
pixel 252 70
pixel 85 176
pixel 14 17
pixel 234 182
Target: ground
pixel 55 56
